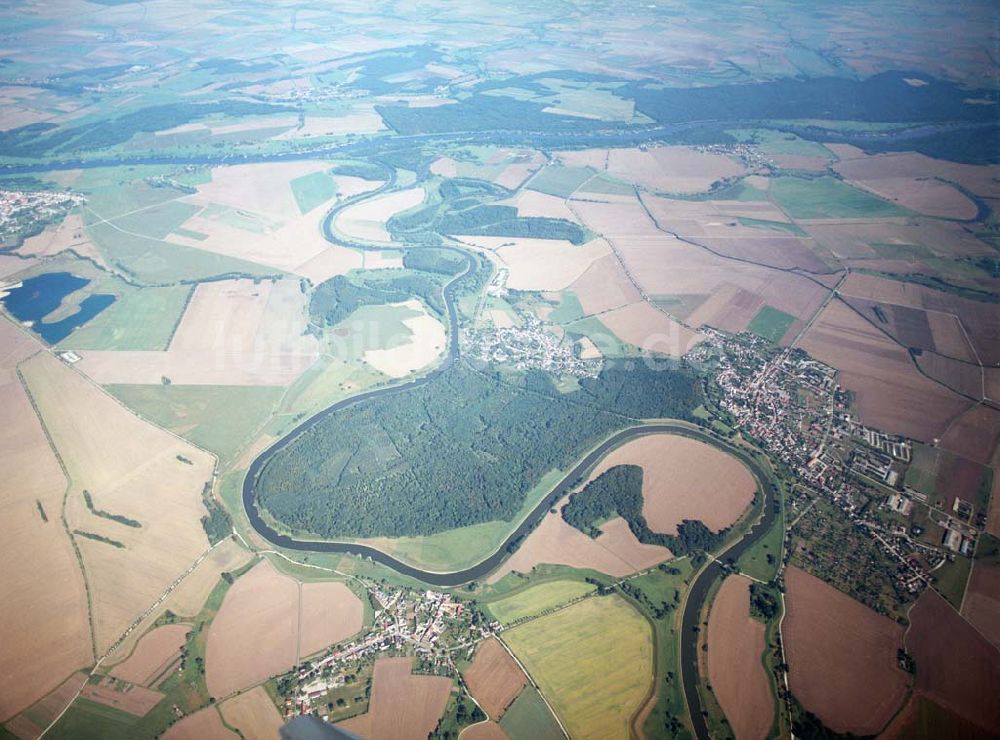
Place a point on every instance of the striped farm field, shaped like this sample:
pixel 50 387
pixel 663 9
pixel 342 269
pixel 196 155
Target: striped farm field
pixel 593 661
pixel 537 599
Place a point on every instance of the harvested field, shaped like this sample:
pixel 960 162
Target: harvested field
pixel 599 642
pixel 253 714
pixel 993 515
pixel 484 731
pixel 261 609
pixel 366 220
pixel 921 194
pixel 604 286
pixel 913 237
pixel 541 264
pixel 911 166
pixel 353 123
pixel 982 601
pixel 555 542
pixel 735 647
pixel 329 612
pixel 234 332
pixel 153 655
pixel 957 667
pixel 45 628
pixel 533 204
pixel 403 706
pixel 616 537
pixel 494 678
pixel 135 700
pixel 332 261
pixel 284 619
pixel 684 479
pixel 666 266
pixel 427 340
pixel 671 169
pixel 842 656
pixel 890 393
pixel 205 724
pixel 974 434
pixel 644 327
pixel 144 480
pixel 261 188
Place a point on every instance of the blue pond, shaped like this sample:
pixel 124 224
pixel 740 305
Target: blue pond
pixel 39 296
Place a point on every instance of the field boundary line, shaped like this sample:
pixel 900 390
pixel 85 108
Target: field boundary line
pixel 534 683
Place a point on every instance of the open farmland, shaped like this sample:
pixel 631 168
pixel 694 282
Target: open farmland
pixel 842 656
pixel 889 392
pixel 153 656
pixel 253 714
pixel 828 198
pixel 645 327
pixel 540 264
pixel 234 332
pixel 555 542
pixel 536 600
pixel 684 479
pixel 32 722
pixel 975 434
pixel 285 619
pixel 602 642
pixel 426 341
pixel 365 221
pixel 981 605
pixel 735 647
pixel 403 705
pixel 205 724
pixel 494 678
pixel 45 628
pixel 671 169
pixel 956 666
pixel 145 481
pixel 528 718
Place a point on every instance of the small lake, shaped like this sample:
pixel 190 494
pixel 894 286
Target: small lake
pixel 39 296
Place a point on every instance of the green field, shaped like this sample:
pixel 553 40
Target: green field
pixel 371 327
pixel 537 599
pixel 771 324
pixel 827 197
pixel 529 719
pixel 559 181
pixel 140 319
pixel 220 418
pixel 921 475
pixel 759 223
pixel 754 562
pixel 951 579
pixel 593 661
pixel 602 337
pixel 567 311
pixel 159 221
pixel 312 190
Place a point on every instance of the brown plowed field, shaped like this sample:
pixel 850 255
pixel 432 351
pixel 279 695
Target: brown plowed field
pixel 975 434
pixel 956 666
pixel 154 653
pixel 484 731
pixel 604 286
pixel 253 714
pixel 330 612
pixel 982 601
pixel 685 479
pixel 403 706
pixel 842 656
pixel 735 647
pixel 51 706
pixel 890 393
pixel 135 700
pixel 494 678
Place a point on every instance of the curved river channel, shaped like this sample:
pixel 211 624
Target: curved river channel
pixel 699 588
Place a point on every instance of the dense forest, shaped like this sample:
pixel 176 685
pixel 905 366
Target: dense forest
pixel 462 449
pixel 618 490
pixel 429 259
pixel 337 298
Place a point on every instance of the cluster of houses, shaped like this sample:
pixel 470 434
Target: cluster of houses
pixel 26 211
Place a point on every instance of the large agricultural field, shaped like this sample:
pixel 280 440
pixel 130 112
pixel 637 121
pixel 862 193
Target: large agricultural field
pixel 602 641
pixel 285 283
pixel 842 657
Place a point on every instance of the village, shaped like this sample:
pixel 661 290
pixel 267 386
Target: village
pixel 26 212
pixel 430 625
pixel 793 408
